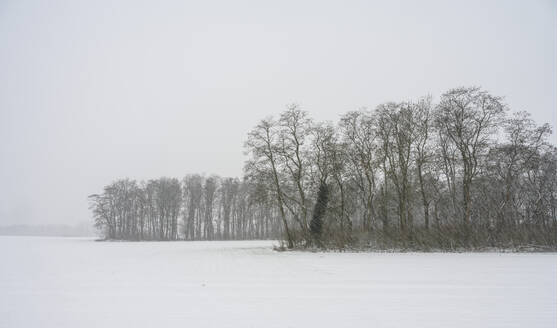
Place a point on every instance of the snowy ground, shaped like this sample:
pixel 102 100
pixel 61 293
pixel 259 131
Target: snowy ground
pixel 73 282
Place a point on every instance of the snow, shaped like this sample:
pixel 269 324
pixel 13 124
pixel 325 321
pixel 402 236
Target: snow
pixel 76 282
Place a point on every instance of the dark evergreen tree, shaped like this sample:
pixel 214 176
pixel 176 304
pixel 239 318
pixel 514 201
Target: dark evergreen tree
pixel 316 224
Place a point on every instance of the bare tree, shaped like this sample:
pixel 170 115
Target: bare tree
pixel 359 136
pixel 469 117
pixel 423 152
pixel 396 130
pixel 295 129
pixel 262 147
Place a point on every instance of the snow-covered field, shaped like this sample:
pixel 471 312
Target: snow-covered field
pixel 76 282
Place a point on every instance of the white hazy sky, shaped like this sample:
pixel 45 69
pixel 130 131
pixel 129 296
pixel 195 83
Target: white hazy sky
pixel 91 91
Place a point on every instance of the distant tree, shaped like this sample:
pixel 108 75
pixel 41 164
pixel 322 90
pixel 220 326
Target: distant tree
pixel 209 193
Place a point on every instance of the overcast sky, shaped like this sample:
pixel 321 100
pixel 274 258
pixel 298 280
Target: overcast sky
pixel 97 90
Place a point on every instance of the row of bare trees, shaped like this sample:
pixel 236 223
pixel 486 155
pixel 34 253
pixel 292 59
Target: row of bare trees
pixel 461 172
pixel 128 210
pixel 196 208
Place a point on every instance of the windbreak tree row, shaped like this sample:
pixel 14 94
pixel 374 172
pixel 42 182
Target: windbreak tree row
pixel 196 208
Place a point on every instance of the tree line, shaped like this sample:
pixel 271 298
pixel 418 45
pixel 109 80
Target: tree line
pixel 462 172
pixel 195 208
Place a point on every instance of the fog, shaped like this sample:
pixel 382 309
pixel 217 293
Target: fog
pixel 94 91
